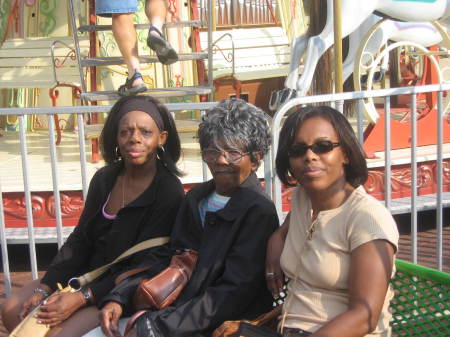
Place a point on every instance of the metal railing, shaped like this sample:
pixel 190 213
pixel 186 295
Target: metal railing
pixel 273 185
pixel 386 94
pixel 79 111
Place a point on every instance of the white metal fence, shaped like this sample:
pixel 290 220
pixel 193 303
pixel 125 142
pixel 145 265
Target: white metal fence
pixel 438 200
pixel 273 186
pixel 61 232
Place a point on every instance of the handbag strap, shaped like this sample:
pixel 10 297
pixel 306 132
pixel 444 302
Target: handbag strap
pixel 78 282
pixel 288 301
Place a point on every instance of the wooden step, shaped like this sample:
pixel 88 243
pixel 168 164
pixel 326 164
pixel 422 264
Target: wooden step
pixel 117 60
pixel 102 28
pixel 157 92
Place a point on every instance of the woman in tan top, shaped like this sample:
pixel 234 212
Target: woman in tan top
pixel 338 243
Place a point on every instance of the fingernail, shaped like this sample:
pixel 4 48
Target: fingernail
pixel 39 322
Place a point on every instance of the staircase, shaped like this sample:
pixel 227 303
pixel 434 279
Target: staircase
pixel 90 64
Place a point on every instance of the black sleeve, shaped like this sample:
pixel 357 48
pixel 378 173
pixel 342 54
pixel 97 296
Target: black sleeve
pixel 159 222
pixel 75 253
pixel 228 297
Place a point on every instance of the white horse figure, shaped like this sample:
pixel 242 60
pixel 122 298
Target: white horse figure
pixel 420 12
pixel 423 33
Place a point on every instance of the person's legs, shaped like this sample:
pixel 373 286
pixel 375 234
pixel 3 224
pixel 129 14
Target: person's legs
pixel 156 11
pixel 13 304
pixel 125 36
pixel 81 322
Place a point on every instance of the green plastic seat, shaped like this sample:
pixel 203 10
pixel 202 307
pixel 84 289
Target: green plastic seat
pixel 421 306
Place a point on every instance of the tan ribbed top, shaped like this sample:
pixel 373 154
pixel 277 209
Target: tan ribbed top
pixel 321 290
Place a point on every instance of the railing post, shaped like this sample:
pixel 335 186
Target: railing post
pixel 28 203
pixel 439 174
pixel 413 178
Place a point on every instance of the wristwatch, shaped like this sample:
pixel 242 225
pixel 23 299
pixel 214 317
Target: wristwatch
pixel 87 295
pixel 41 291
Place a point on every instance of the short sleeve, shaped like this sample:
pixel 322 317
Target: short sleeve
pixel 371 221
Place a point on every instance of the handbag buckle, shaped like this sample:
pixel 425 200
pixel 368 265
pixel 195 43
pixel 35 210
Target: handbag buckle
pixel 75 283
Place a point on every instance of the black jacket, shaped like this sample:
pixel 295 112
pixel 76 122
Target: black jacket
pixel 228 282
pixel 150 215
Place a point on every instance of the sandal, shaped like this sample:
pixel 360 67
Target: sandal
pixel 164 51
pixel 128 89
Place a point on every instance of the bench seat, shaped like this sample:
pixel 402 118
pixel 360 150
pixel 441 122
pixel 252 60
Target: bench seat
pixel 421 305
pixel 258 52
pixel 28 63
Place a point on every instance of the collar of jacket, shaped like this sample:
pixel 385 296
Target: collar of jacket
pixel 242 199
pixel 149 195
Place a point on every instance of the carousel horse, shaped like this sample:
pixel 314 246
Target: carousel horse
pixel 423 33
pixel 416 13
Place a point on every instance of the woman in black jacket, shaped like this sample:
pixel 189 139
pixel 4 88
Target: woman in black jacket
pixel 133 198
pixel 228 220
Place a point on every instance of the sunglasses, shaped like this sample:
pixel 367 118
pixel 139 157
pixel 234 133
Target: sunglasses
pixel 231 156
pixel 319 147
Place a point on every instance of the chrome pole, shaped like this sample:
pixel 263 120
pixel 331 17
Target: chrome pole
pixel 439 174
pixel 27 193
pixel 413 178
pixel 387 152
pixel 56 196
pixel 3 242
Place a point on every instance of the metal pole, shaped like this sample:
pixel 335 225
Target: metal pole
pixel 439 174
pixel 4 250
pixel 337 10
pixel 81 144
pixel 211 26
pixel 27 193
pixel 413 178
pixel 387 152
pixel 56 196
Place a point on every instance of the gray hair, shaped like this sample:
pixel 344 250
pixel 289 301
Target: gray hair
pixel 238 125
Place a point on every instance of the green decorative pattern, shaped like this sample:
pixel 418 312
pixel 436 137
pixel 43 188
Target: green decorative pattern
pixel 139 18
pixel 107 44
pixel 5 8
pixel 421 306
pixel 47 9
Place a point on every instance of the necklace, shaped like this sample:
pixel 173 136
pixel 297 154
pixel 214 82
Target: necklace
pixel 310 231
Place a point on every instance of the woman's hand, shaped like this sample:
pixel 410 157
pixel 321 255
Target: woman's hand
pixel 34 301
pixel 275 245
pixel 109 318
pixel 30 304
pixel 59 307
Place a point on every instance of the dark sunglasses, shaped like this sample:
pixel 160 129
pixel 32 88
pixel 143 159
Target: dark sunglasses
pixel 320 147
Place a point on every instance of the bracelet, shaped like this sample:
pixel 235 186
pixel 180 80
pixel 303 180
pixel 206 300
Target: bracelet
pixel 43 292
pixel 87 295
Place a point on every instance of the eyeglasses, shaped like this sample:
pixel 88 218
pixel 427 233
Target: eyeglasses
pixel 319 147
pixel 231 156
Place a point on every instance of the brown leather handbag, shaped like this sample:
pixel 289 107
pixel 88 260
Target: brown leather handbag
pixel 267 322
pixel 161 290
